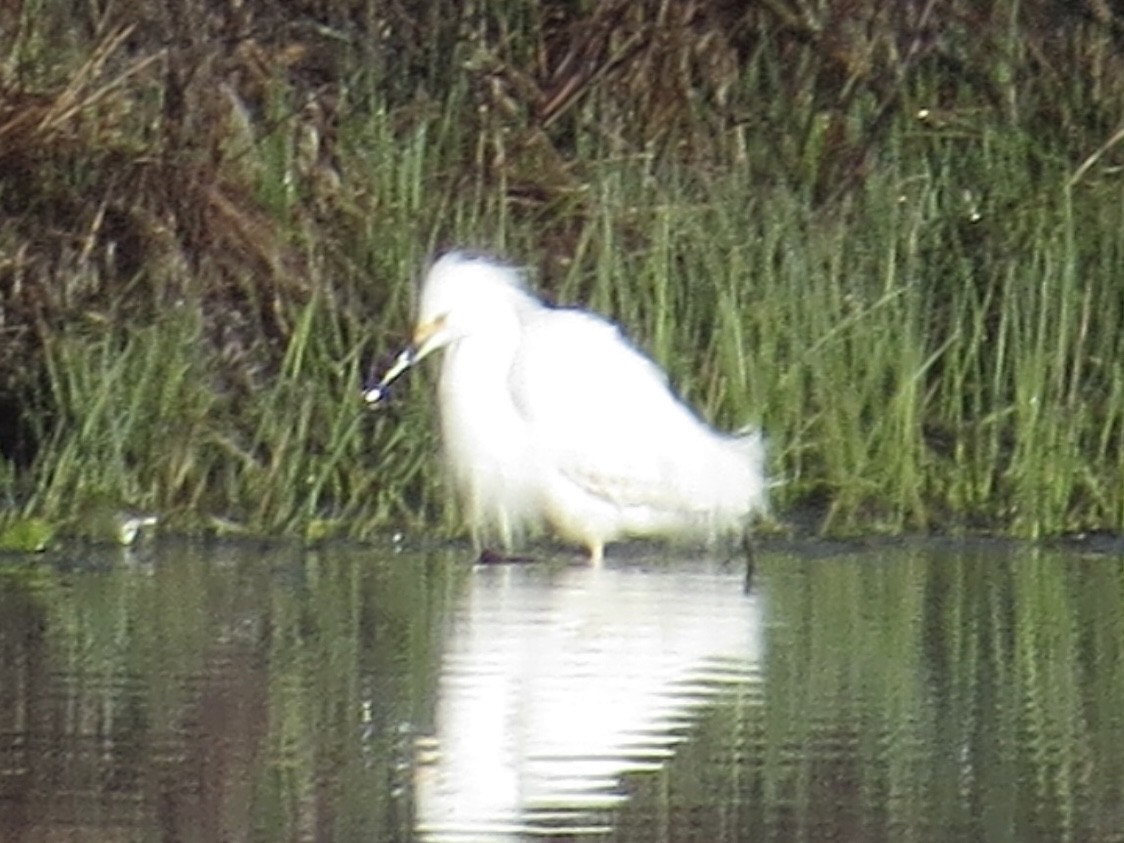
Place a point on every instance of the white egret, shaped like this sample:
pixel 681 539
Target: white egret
pixel 549 414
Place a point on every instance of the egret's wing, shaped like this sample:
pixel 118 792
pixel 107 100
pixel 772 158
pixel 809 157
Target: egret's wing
pixel 601 412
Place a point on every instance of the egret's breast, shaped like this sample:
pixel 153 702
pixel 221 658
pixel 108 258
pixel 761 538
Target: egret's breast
pixel 486 439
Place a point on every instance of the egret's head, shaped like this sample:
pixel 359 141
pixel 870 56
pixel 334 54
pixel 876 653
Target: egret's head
pixel 465 294
pixel 462 295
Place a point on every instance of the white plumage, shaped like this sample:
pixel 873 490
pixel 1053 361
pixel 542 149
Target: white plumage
pixel 551 415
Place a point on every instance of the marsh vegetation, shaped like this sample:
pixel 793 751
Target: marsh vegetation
pixel 890 234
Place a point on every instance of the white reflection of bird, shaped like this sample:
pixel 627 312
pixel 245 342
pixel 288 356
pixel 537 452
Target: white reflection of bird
pixel 551 414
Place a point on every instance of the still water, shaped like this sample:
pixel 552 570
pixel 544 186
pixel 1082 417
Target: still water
pixel 223 692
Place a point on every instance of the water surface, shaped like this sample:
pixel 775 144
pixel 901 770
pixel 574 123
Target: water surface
pixel 208 692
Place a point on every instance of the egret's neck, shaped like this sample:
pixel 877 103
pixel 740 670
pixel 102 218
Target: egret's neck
pixel 474 391
pixel 485 435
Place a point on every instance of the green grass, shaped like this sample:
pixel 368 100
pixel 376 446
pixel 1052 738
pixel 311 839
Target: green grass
pixel 920 308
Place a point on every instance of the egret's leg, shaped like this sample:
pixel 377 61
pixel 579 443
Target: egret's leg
pixel 750 561
pixel 596 554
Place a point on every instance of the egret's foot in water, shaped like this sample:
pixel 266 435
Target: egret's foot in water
pixel 494 557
